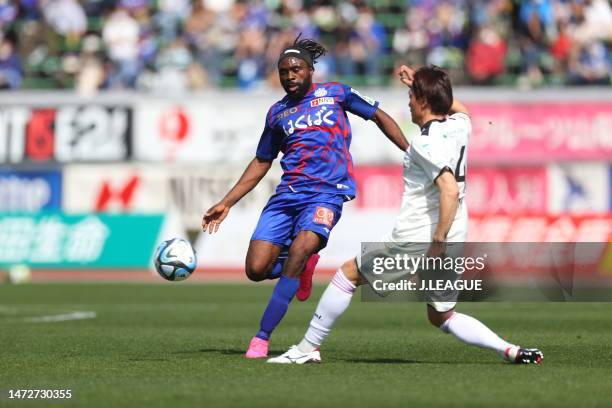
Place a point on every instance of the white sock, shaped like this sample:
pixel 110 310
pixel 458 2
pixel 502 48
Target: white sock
pixel 333 303
pixel 472 331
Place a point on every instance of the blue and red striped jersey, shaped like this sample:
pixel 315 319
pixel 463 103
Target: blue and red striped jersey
pixel 314 135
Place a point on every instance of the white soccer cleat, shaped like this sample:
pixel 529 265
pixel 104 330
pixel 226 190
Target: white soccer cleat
pixel 295 356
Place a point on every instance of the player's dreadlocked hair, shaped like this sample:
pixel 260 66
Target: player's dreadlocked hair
pixel 304 48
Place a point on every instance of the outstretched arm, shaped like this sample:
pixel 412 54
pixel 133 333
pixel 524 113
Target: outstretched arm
pixel 390 128
pixel 252 175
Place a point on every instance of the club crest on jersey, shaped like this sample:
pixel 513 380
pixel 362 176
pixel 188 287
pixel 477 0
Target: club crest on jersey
pixel 320 92
pixel 365 98
pixel 322 101
pixel 323 216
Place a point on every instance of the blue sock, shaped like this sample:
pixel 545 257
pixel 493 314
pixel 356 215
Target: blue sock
pixel 277 306
pixel 277 269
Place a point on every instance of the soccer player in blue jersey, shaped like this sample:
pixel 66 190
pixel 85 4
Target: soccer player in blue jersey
pixel 310 127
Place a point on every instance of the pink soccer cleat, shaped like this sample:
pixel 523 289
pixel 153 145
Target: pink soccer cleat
pixel 258 348
pixel 305 289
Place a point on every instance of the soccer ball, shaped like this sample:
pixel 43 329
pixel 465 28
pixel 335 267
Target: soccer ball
pixel 175 259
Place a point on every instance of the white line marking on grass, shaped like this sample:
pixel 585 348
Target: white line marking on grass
pixel 77 315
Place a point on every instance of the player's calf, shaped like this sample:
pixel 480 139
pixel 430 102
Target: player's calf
pixel 351 272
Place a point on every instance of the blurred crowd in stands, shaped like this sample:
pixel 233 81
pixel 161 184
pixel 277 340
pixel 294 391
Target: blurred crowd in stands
pixel 179 45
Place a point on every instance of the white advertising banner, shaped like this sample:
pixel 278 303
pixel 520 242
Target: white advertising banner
pixel 115 188
pixel 227 130
pixel 221 131
pixel 148 188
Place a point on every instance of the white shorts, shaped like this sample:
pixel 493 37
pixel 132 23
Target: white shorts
pixel 415 244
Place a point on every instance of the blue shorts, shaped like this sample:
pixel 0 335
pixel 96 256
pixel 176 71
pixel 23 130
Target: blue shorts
pixel 286 214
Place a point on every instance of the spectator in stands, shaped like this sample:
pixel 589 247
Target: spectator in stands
pixel 236 42
pixel 121 34
pixel 590 65
pixel 10 65
pixel 201 36
pixel 537 27
pixel 91 73
pixel 172 65
pixel 170 17
pixel 369 45
pixel 8 13
pixel 560 50
pixel 250 57
pixel 67 18
pixel 590 25
pixel 411 41
pixel 486 56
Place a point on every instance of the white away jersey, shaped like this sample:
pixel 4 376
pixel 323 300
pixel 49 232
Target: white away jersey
pixel 441 144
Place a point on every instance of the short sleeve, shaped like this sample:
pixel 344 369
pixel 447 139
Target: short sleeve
pixel 270 141
pixel 358 104
pixel 432 157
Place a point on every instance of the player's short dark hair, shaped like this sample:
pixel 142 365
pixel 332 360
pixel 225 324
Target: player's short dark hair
pixel 433 85
pixel 305 49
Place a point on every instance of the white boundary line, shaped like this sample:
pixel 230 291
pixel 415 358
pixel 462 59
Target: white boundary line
pixel 76 315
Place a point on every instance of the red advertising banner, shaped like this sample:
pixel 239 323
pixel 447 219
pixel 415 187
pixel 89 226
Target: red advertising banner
pixel 379 186
pixel 491 190
pixel 540 228
pixel 507 190
pixel 540 132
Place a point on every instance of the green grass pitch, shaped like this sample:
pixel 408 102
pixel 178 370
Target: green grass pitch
pixel 182 344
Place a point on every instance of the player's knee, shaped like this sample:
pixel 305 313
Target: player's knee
pixel 256 271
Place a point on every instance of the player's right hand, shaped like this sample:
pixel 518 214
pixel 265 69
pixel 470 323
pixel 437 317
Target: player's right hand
pixel 406 75
pixel 214 216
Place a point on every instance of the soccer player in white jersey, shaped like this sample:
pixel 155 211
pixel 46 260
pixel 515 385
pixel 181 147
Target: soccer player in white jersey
pixel 433 211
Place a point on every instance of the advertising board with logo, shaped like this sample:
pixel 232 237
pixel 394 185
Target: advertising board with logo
pixel 194 189
pixel 220 131
pixel 30 190
pixel 506 190
pixel 115 188
pixel 579 188
pixel 540 228
pixel 543 131
pixel 492 190
pixel 65 133
pixel 149 188
pixel 56 240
